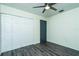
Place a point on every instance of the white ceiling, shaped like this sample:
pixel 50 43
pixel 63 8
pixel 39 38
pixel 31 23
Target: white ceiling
pixel 29 8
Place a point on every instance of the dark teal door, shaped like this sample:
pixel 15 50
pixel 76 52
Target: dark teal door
pixel 43 31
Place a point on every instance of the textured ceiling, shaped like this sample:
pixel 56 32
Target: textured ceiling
pixel 29 8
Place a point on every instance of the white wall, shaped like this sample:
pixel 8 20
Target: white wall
pixel 63 29
pixel 12 20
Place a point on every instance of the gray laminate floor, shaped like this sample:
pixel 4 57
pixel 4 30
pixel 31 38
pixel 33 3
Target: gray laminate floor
pixel 48 49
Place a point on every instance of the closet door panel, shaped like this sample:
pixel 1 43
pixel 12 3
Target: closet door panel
pixel 6 31
pixel 22 32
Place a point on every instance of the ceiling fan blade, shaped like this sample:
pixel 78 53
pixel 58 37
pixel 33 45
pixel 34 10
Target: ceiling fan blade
pixel 46 4
pixel 43 11
pixel 52 3
pixel 61 10
pixel 53 8
pixel 38 6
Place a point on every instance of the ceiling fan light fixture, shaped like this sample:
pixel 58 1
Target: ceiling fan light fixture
pixel 47 7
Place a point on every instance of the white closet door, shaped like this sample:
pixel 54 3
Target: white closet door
pixel 22 32
pixel 16 32
pixel 6 33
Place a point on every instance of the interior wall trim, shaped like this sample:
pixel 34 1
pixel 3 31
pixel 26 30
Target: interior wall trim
pixel 16 15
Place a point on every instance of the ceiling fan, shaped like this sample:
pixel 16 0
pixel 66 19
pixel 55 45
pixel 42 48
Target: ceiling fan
pixel 47 6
